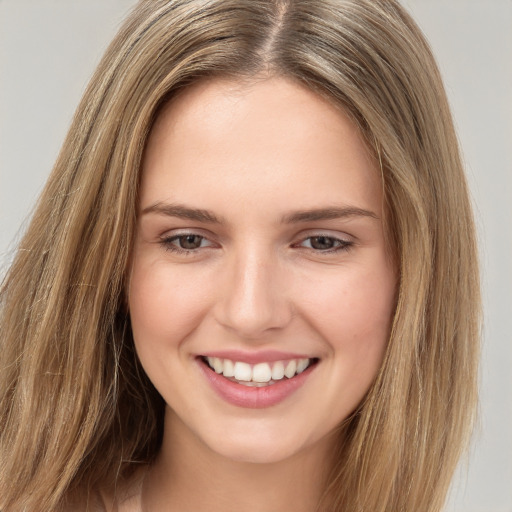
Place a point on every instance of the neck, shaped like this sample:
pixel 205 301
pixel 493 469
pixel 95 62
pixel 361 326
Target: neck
pixel 190 476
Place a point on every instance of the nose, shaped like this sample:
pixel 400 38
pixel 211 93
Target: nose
pixel 254 299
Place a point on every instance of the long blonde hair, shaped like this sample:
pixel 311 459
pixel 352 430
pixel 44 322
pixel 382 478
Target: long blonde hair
pixel 76 409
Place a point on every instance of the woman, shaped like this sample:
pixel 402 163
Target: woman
pixel 251 279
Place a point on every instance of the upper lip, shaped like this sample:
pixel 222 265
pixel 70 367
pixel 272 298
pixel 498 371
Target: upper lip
pixel 264 356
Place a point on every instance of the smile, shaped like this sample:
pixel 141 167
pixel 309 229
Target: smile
pixel 256 382
pixel 258 375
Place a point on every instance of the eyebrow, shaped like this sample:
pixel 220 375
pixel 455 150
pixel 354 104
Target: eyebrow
pixel 183 212
pixel 207 216
pixel 327 214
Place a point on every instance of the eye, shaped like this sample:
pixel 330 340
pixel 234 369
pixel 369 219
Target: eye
pixel 189 242
pixel 185 242
pixel 325 243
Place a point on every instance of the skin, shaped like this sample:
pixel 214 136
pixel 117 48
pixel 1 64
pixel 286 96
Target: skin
pixel 253 155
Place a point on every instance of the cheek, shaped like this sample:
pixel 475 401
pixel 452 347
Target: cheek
pixel 353 311
pixel 164 306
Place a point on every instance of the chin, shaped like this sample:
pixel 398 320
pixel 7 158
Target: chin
pixel 255 453
pixel 257 445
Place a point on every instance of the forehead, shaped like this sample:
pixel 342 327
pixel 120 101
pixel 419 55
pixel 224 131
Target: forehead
pixel 259 139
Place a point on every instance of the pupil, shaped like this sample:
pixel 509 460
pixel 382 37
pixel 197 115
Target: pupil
pixel 190 241
pixel 322 242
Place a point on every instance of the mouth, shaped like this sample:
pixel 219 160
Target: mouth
pixel 262 374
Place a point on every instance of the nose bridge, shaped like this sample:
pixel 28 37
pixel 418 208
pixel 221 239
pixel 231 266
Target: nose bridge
pixel 254 299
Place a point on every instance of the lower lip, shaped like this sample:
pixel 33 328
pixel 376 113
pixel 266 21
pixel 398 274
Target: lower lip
pixel 253 397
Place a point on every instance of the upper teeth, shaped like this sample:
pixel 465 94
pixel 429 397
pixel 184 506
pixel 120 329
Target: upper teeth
pixel 261 372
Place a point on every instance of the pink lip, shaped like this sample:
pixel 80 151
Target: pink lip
pixel 253 397
pixel 264 356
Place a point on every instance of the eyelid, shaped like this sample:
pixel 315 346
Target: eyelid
pixel 176 232
pixel 343 241
pixel 328 233
pixel 167 240
pixel 189 230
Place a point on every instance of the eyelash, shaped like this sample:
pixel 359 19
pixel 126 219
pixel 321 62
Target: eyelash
pixel 167 243
pixel 340 245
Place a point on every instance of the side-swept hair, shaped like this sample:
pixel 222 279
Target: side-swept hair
pixel 76 409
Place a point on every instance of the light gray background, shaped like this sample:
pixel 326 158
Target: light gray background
pixel 48 49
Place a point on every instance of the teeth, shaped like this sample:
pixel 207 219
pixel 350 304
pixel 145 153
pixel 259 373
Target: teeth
pixel 260 374
pixel 252 384
pixel 290 369
pixel 229 368
pixel 302 365
pixel 217 365
pixel 243 371
pixel 278 371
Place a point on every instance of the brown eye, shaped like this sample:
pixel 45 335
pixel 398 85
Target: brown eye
pixel 189 242
pixel 322 243
pixel 325 244
pixel 185 243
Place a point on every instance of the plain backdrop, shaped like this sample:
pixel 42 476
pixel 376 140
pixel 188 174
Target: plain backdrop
pixel 49 48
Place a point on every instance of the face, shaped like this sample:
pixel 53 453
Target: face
pixel 261 292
